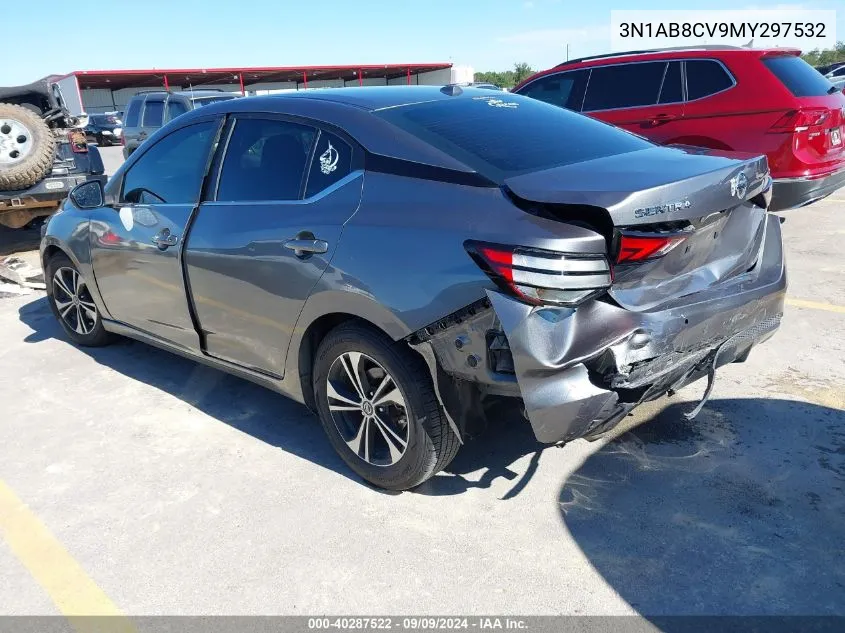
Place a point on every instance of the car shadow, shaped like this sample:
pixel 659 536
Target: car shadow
pixel 739 512
pixel 247 407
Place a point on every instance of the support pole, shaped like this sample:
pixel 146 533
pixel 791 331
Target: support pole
pixel 241 77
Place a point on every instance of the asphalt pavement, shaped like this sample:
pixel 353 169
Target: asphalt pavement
pixel 158 486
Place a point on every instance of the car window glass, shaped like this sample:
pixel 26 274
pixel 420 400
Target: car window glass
pixel 171 171
pixel 175 108
pixel 530 135
pixel 671 92
pixel 562 89
pixel 706 77
pixel 265 160
pixel 153 113
pixel 332 161
pixel 624 86
pixel 132 113
pixel 801 79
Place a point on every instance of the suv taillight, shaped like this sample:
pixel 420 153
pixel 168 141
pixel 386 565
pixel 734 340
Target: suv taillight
pixel 539 276
pixel 801 120
pixel 639 247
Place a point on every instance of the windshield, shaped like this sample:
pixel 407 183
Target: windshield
pixel 506 135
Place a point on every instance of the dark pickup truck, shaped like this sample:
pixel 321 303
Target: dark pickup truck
pixel 43 153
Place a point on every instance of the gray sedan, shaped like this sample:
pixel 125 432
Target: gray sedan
pixel 400 258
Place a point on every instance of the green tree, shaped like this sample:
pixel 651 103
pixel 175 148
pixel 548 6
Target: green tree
pixel 507 78
pixel 818 57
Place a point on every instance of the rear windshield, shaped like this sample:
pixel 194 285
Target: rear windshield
pixel 798 76
pixel 203 101
pixel 506 135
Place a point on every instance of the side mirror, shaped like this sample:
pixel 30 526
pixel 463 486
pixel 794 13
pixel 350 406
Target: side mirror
pixel 88 195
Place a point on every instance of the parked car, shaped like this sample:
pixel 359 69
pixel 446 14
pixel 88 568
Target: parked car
pixel 104 129
pixel 147 111
pixel 839 84
pixel 378 255
pixel 43 153
pixel 757 100
pixel 836 71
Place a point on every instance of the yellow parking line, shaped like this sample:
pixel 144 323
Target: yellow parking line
pixel 815 305
pixel 50 564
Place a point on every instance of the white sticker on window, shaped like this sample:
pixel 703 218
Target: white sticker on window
pixel 126 218
pixel 328 159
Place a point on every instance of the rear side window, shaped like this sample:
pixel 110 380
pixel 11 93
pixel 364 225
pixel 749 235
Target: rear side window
pixel 171 171
pixel 672 90
pixel 706 77
pixel 265 160
pixel 132 113
pixel 153 114
pixel 332 161
pixel 801 79
pixel 562 89
pixel 529 135
pixel 624 86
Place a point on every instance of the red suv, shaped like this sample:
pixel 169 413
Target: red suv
pixel 763 101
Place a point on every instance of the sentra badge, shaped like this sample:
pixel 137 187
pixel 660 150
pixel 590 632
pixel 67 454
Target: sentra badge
pixel 645 212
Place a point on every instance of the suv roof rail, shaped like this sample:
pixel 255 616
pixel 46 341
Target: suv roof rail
pixel 700 47
pixel 171 92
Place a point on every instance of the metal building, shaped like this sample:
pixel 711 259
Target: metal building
pixel 109 90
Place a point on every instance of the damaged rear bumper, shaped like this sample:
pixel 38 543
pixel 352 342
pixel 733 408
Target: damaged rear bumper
pixel 580 371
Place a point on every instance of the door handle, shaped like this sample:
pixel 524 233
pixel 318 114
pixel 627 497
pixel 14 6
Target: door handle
pixel 165 238
pixel 306 247
pixel 662 118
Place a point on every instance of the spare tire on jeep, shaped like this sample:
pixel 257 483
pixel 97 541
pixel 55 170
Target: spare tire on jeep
pixel 27 147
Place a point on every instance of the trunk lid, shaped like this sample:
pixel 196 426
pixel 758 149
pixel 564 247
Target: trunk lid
pixel 709 204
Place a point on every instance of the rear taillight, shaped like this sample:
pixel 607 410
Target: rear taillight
pixel 539 276
pixel 801 120
pixel 636 247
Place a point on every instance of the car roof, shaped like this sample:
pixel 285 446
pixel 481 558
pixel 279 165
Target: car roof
pixel 680 52
pixel 380 97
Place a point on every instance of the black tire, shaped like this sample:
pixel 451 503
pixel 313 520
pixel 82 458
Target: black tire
pixel 431 442
pixel 91 333
pixel 33 166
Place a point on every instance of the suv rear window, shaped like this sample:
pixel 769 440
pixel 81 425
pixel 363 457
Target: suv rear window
pixel 706 77
pixel 505 135
pixel 801 79
pixel 132 113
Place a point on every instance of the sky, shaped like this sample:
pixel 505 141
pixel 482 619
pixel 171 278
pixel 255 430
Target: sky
pixel 484 34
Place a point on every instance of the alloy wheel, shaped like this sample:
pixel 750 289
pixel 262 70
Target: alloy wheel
pixel 368 409
pixel 15 141
pixel 73 301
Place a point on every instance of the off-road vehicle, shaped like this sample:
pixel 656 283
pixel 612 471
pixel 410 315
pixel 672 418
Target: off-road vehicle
pixel 43 152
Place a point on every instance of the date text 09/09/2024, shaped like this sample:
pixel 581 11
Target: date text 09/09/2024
pixel 669 30
pixel 419 623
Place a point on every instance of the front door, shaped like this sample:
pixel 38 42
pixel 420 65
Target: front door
pixel 255 252
pixel 136 245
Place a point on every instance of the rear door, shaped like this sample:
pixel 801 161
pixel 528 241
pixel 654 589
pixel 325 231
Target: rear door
pixel 643 97
pixel 137 249
pixel 267 233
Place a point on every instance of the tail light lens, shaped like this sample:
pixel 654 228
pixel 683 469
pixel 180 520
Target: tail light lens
pixel 637 247
pixel 801 120
pixel 539 276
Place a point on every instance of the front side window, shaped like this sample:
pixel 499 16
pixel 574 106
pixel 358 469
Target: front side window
pixel 133 112
pixel 171 171
pixel 562 89
pixel 706 77
pixel 332 161
pixel 624 86
pixel 672 89
pixel 265 160
pixel 175 107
